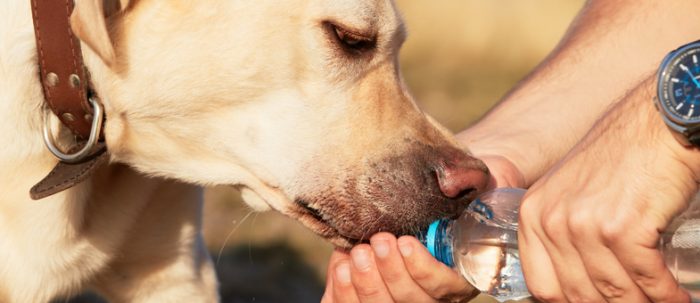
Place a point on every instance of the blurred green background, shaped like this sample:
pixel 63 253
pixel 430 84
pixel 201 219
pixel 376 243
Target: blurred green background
pixel 460 58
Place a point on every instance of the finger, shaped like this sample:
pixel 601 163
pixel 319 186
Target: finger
pixel 438 280
pixel 503 172
pixel 327 294
pixel 366 278
pixel 609 277
pixel 336 256
pixel 607 274
pixel 646 267
pixel 571 272
pixel 343 291
pixel 394 273
pixel 328 291
pixel 540 277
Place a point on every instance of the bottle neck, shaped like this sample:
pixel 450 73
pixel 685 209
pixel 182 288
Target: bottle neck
pixel 438 240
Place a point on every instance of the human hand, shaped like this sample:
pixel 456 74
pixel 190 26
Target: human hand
pixel 589 229
pixel 392 270
pixel 403 270
pixel 504 173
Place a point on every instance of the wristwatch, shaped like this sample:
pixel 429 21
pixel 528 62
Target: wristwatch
pixel 678 98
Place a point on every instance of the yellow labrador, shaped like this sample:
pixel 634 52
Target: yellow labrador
pixel 299 103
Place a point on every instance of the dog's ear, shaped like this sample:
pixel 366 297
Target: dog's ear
pixel 88 23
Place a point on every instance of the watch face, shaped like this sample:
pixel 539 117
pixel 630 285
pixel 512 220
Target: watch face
pixel 679 85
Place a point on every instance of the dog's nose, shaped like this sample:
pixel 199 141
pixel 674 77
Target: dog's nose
pixel 462 176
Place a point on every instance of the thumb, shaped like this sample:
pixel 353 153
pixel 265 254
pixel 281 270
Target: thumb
pixel 504 173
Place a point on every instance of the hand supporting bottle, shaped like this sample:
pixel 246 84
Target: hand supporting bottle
pixel 482 245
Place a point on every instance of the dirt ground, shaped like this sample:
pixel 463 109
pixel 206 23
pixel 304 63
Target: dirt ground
pixel 459 59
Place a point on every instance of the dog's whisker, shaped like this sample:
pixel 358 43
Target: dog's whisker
pixel 365 228
pixel 250 239
pixel 370 226
pixel 377 221
pixel 223 245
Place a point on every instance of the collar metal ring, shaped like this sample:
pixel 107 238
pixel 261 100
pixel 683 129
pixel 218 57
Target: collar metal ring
pixel 84 152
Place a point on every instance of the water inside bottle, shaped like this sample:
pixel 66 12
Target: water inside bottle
pixel 488 248
pixel 494 268
pixel 680 246
pixel 683 265
pixel 485 245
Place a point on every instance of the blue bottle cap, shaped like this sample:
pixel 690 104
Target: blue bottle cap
pixel 430 236
pixel 438 241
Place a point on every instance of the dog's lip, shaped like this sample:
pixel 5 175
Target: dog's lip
pixel 315 213
pixel 313 219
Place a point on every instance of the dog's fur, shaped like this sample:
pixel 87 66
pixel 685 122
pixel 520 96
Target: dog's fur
pixel 259 94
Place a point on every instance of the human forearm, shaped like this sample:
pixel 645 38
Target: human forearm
pixel 610 47
pixel 638 140
pixel 589 228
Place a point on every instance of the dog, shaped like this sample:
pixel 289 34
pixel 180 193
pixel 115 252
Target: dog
pixel 299 103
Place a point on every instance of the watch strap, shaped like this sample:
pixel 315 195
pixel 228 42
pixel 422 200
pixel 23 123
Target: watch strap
pixel 692 134
pixel 694 140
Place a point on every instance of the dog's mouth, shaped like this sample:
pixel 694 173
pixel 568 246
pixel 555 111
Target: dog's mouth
pixel 315 220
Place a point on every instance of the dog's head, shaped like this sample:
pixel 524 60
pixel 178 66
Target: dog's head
pixel 300 103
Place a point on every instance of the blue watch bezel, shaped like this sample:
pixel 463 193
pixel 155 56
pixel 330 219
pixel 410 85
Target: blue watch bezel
pixel 673 120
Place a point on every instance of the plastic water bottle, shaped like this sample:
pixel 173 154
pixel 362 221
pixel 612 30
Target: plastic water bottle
pixel 482 245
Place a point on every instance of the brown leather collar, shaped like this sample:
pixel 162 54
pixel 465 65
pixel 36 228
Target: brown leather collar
pixel 63 75
pixel 66 87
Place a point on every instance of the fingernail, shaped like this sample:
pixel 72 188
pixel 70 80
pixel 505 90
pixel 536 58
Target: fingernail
pixel 342 273
pixel 405 248
pixel 361 259
pixel 381 248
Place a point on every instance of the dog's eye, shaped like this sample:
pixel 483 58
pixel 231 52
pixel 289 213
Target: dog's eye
pixel 351 42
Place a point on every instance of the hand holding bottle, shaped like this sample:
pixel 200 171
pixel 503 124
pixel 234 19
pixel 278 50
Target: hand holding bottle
pixel 482 245
pixel 589 228
pixel 402 270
